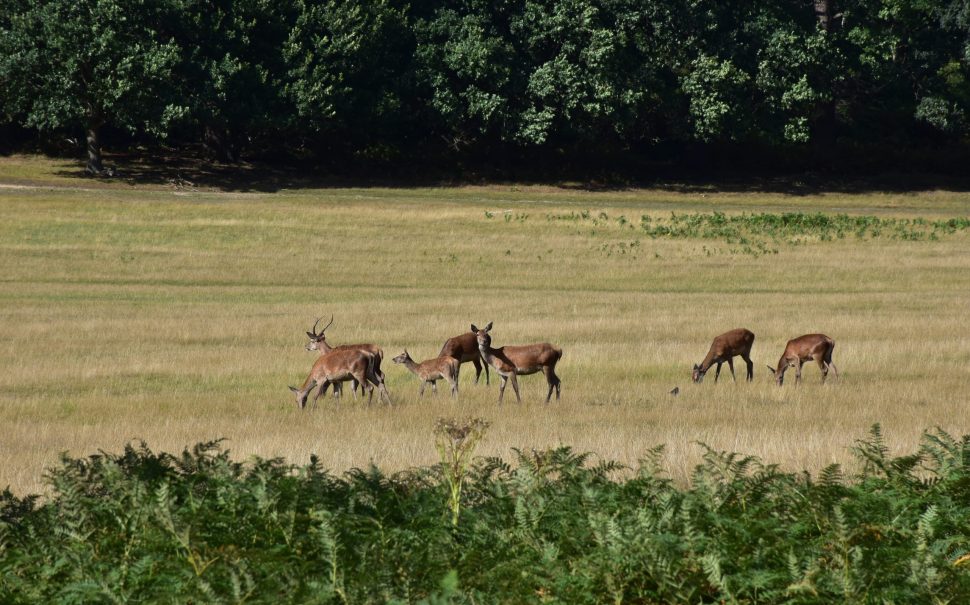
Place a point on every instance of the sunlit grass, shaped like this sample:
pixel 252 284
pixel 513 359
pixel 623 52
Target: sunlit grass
pixel 178 316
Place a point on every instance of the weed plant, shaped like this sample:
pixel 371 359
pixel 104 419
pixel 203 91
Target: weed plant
pixel 552 526
pixel 756 233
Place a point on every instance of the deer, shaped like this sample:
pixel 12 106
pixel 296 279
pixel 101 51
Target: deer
pixel 432 370
pixel 804 348
pixel 464 348
pixel 726 347
pixel 510 361
pixel 340 366
pixel 318 342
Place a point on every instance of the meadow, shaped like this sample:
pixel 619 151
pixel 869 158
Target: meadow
pixel 176 314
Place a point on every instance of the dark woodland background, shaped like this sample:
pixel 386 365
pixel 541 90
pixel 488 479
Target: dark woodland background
pixel 510 88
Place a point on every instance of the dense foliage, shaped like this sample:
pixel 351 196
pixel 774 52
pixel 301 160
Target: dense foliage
pixel 384 78
pixel 553 527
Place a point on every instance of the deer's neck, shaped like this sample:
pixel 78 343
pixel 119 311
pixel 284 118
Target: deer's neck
pixel 491 356
pixel 411 365
pixel 708 361
pixel 324 348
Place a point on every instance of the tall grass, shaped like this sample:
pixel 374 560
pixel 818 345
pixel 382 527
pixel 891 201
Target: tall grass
pixel 177 316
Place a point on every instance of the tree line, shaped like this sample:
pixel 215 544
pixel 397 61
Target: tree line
pixel 389 78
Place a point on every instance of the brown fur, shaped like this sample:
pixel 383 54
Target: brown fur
pixel 464 348
pixel 511 361
pixel 432 370
pixel 318 342
pixel 726 347
pixel 804 348
pixel 341 366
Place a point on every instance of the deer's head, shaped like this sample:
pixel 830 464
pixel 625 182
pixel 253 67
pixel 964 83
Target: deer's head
pixel 318 340
pixel 698 374
pixel 483 337
pixel 403 357
pixel 779 373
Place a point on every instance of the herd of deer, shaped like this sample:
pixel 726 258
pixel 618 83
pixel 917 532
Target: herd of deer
pixel 360 364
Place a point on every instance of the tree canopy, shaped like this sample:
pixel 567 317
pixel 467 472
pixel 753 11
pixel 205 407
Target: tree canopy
pixel 386 77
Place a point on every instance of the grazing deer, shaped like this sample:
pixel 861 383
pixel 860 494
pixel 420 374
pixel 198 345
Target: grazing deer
pixel 318 342
pixel 510 361
pixel 726 347
pixel 799 350
pixel 337 367
pixel 464 348
pixel 432 370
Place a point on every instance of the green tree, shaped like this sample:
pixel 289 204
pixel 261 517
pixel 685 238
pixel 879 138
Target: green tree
pixel 68 64
pixel 231 71
pixel 348 65
pixel 568 72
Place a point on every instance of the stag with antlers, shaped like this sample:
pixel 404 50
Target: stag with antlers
pixel 318 342
pixel 510 361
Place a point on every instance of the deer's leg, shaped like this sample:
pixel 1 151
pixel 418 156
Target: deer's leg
pixel 378 372
pixel 553 381
pixel 501 386
pixel 454 385
pixel 321 392
pixel 731 367
pixel 387 396
pixel 434 387
pixel 718 372
pixel 421 390
pixel 798 372
pixel 478 368
pixel 365 384
pixel 750 364
pixel 828 361
pixel 824 367
pixel 515 387
pixel 485 364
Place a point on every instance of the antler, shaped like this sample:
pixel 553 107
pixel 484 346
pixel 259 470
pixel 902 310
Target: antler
pixel 314 332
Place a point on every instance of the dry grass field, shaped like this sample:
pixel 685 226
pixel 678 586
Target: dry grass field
pixel 178 315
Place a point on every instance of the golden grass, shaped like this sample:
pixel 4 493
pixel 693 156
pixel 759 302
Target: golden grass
pixel 178 316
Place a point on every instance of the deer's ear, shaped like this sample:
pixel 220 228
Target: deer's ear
pixel 488 327
pixel 474 329
pixel 696 367
pixel 311 335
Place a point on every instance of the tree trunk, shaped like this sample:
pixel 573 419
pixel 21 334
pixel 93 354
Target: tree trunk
pixel 217 142
pixel 825 124
pixel 95 166
pixel 823 14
